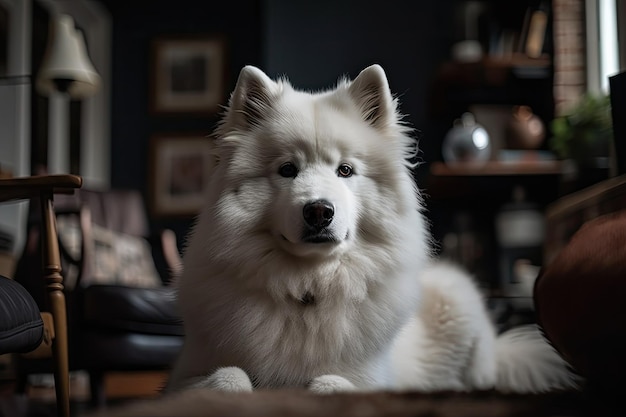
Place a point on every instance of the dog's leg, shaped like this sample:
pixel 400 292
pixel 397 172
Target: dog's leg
pixel 232 379
pixel 327 384
pixel 481 370
pixel 451 343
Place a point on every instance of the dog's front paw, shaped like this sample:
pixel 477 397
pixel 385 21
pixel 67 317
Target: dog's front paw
pixel 232 379
pixel 327 384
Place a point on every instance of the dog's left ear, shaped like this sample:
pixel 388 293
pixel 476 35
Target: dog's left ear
pixel 370 90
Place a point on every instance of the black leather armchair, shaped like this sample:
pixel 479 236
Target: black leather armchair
pixel 21 325
pixel 113 326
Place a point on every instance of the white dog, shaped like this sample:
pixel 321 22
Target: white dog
pixel 310 264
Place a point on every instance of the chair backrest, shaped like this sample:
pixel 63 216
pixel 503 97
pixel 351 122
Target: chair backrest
pixel 118 210
pixel 122 211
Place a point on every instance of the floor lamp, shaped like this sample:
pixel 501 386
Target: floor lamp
pixel 66 73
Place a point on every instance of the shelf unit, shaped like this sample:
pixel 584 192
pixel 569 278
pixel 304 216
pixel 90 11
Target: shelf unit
pixel 464 199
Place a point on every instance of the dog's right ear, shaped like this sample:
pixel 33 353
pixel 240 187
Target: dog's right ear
pixel 252 97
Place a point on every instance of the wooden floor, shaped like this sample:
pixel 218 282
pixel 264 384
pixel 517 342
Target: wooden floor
pixel 39 401
pixel 123 388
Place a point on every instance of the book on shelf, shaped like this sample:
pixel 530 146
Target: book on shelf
pixel 536 33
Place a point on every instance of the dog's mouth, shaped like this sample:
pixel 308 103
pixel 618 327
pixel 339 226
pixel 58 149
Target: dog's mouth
pixel 310 243
pixel 322 236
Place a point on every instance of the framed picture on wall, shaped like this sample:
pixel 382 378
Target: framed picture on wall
pixel 178 173
pixel 187 75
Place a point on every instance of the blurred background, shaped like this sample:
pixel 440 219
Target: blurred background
pixel 483 83
pixel 517 105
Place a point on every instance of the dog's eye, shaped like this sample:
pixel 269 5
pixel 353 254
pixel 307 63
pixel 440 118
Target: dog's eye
pixel 344 170
pixel 288 170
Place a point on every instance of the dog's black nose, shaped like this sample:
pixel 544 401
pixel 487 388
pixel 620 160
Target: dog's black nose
pixel 318 214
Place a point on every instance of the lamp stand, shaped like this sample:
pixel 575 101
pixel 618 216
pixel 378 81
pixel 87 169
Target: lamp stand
pixel 58 129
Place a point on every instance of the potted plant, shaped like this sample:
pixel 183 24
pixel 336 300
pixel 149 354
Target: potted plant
pixel 584 134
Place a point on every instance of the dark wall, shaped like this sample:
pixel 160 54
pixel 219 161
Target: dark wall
pixel 313 43
pixel 135 25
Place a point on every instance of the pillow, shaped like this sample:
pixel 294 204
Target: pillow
pixel 114 258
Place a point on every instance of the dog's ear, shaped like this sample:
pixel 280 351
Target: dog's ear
pixel 252 97
pixel 370 90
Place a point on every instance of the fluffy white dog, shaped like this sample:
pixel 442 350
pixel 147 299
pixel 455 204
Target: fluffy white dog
pixel 310 264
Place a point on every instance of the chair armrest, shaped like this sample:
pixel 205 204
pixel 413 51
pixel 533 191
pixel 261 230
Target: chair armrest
pixel 171 253
pixel 27 187
pixel 165 254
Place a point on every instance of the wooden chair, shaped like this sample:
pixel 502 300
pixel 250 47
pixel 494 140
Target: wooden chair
pixel 43 189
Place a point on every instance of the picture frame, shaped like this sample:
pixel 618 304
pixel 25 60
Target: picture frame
pixel 187 74
pixel 179 173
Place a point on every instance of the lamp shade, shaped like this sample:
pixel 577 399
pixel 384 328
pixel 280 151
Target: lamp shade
pixel 66 65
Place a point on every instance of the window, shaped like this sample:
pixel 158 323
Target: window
pixel 602 44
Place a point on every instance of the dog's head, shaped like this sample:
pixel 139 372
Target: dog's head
pixel 316 171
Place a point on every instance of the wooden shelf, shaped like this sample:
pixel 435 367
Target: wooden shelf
pixel 517 60
pixel 497 168
pixel 494 71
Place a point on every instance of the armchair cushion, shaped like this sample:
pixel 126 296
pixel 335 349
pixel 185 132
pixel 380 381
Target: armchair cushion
pixel 21 326
pixel 114 257
pixel 122 257
pixel 140 310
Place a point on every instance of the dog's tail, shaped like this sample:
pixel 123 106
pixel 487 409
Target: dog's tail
pixel 527 363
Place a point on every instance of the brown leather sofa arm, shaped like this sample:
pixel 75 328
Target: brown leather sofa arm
pixel 27 187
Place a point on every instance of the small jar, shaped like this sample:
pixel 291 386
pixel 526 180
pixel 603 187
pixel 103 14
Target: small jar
pixel 466 141
pixel 525 130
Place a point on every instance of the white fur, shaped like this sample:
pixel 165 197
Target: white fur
pixel 228 378
pixel 364 309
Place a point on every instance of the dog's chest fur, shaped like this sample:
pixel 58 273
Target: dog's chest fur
pixel 289 341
